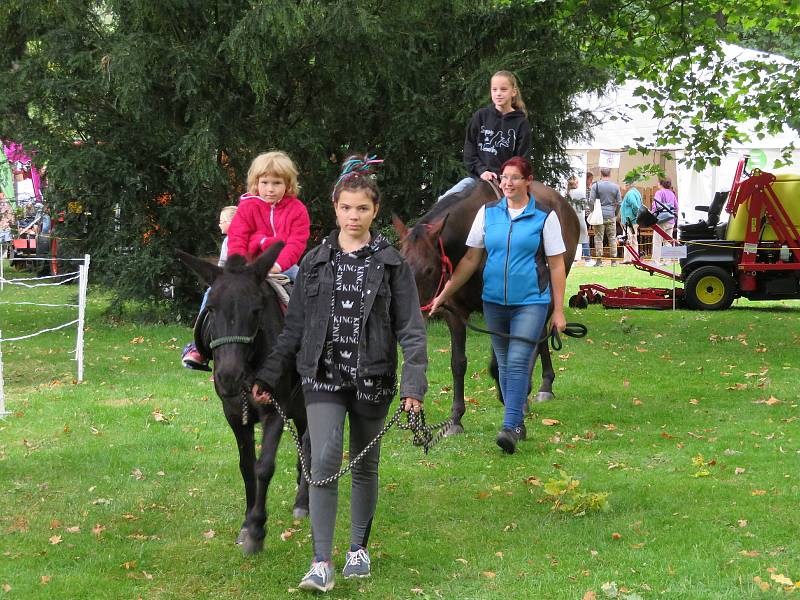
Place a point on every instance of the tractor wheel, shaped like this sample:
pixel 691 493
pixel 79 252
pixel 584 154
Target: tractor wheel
pixel 709 288
pixel 578 301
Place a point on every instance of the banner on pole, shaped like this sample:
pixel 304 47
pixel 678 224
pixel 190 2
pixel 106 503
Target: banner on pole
pixel 608 160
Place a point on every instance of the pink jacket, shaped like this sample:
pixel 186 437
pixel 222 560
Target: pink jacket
pixel 258 224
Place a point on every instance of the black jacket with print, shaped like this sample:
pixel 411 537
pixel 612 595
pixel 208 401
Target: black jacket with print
pixel 391 316
pixel 492 138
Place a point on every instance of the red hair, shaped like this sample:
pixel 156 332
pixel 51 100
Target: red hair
pixel 521 163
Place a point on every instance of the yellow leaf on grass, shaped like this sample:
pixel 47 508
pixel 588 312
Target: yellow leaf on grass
pixel 781 579
pixel 590 595
pixel 44 579
pixel 98 529
pixel 489 574
pixel 128 565
pixel 550 422
pixel 739 470
pixel 758 493
pixel 209 534
pixel 750 553
pixel 56 539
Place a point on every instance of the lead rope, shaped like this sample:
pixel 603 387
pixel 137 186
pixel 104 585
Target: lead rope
pixel 423 435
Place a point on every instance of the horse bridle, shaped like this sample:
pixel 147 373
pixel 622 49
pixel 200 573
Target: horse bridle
pixel 232 339
pixel 444 277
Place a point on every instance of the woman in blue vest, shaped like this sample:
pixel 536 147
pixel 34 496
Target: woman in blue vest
pixel 524 250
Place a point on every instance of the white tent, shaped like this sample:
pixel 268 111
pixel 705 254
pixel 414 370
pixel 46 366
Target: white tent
pixel 622 124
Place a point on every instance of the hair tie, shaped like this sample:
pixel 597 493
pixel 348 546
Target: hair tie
pixel 357 167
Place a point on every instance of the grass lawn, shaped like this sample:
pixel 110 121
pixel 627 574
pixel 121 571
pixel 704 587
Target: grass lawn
pixel 127 485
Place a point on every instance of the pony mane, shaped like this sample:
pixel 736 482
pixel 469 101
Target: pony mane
pixel 446 204
pixel 236 263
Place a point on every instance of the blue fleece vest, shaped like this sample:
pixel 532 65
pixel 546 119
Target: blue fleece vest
pixel 516 271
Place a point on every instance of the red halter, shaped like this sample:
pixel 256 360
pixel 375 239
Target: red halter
pixel 447 272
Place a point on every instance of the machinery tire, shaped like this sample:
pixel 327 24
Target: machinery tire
pixel 578 301
pixel 709 288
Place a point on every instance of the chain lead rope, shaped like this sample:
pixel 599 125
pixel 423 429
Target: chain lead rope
pixel 423 435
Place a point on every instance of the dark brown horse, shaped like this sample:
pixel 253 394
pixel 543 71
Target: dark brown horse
pixel 444 229
pixel 243 318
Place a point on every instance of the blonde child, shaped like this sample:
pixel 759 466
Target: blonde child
pixel 269 212
pixel 191 358
pixel 496 132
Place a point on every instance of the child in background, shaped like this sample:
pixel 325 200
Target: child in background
pixel 495 133
pixel 191 358
pixel 269 212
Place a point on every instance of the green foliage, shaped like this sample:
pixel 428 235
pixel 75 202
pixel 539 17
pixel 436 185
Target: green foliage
pixel 644 172
pixel 170 101
pixel 565 496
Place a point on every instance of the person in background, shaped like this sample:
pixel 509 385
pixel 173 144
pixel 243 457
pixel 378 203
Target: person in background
pixel 628 212
pixel 496 132
pixel 577 199
pixel 191 358
pixel 665 202
pixel 610 200
pixel 355 300
pixel 6 219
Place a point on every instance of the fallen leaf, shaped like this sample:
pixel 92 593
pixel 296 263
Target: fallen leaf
pixel 74 529
pixel 417 591
pixel 550 422
pixel 533 480
pixel 6 588
pixel 742 522
pixel 489 574
pixel 55 524
pixel 56 539
pixel 781 579
pixel 463 561
pixel 131 564
pixel 209 534
pixel 499 554
pixel 45 579
pixel 137 340
pixel 443 350
pixel 590 595
pixel 758 493
pixel 694 401
pixel 763 585
pixel 137 474
pixel 750 553
pixel 98 529
pixel 616 536
pixel 739 470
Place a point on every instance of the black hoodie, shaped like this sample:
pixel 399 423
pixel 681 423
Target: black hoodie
pixel 492 138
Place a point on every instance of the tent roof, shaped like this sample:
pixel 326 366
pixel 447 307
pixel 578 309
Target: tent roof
pixel 621 122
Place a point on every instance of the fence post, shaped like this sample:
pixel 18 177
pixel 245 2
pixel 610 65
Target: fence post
pixel 82 285
pixel 3 411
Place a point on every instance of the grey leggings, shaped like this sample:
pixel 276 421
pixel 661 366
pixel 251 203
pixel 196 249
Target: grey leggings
pixel 326 429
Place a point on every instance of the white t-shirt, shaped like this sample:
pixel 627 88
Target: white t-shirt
pixel 551 234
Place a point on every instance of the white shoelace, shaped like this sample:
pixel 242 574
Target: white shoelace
pixel 317 568
pixel 355 558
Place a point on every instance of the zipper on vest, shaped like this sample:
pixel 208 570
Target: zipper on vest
pixel 272 219
pixel 508 254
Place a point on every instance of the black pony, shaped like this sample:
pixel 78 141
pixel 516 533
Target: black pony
pixel 440 236
pixel 243 318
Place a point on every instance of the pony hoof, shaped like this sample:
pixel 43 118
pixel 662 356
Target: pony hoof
pixel 300 513
pixel 543 397
pixel 242 536
pixel 453 429
pixel 251 546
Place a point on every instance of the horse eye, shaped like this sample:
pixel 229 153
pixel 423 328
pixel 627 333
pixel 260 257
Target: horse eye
pixel 428 271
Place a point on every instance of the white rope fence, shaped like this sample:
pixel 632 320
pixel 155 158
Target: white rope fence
pixel 82 275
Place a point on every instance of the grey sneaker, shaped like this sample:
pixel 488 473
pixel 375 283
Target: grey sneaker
pixel 319 577
pixel 357 564
pixel 508 437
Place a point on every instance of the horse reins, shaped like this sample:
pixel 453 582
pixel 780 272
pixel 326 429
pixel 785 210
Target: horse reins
pixel 444 277
pixel 575 330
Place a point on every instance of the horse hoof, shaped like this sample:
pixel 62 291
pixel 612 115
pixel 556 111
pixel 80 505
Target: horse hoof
pixel 453 429
pixel 251 546
pixel 300 513
pixel 543 397
pixel 242 536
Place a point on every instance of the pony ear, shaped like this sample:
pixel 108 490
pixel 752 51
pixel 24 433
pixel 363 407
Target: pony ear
pixel 206 271
pixel 399 226
pixel 435 229
pixel 264 263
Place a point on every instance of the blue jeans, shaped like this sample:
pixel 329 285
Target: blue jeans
pixel 459 187
pixel 514 356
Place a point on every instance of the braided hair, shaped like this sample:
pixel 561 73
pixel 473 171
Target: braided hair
pixel 357 175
